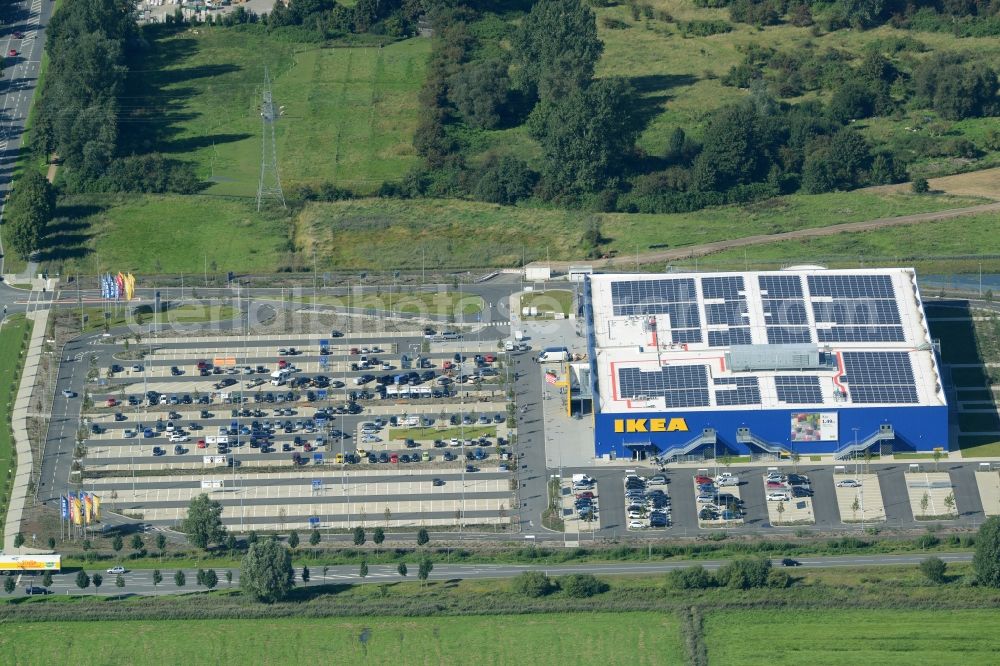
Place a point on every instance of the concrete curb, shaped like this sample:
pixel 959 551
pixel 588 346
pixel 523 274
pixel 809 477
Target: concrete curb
pixel 25 463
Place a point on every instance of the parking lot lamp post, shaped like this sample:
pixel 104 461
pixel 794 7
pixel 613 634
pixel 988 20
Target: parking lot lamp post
pixel 861 490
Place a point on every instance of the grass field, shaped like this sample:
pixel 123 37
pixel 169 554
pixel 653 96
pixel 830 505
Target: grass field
pixel 929 246
pixel 11 343
pixel 449 233
pixel 160 234
pixel 164 234
pixel 553 300
pixel 654 638
pixel 839 637
pixel 348 113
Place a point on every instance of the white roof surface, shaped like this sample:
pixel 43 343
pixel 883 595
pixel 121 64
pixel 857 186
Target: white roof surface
pixel 665 341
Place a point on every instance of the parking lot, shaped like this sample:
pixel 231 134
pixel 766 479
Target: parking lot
pixel 580 506
pixel 931 494
pixel 303 431
pixel 988 484
pixel 814 496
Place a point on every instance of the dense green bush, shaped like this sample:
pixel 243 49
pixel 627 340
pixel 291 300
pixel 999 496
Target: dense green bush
pixel 934 569
pixel 778 579
pixel 582 585
pixel 151 173
pixel 704 28
pixel 533 584
pixel 745 573
pixel 690 578
pixel 504 181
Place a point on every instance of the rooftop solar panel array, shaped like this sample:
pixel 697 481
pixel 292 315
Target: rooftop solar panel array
pixel 863 308
pixel 807 309
pixel 676 297
pixel 678 385
pixel 781 286
pixel 798 390
pixel 788 335
pixel 857 311
pixel 730 337
pixel 741 395
pixel 732 312
pixel 861 334
pixel 851 286
pixel 784 309
pixel 880 377
pixel 729 313
pixel 727 287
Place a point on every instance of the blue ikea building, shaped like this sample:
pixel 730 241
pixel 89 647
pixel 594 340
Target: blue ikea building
pixel 767 364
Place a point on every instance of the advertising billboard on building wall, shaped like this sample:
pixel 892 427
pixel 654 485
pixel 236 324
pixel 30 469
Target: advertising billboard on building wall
pixel 814 427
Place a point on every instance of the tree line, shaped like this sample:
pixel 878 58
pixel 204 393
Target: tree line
pixel 964 18
pixel 325 19
pixel 80 117
pixel 587 127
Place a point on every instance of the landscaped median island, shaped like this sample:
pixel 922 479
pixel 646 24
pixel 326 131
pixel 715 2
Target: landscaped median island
pixel 407 301
pixel 139 315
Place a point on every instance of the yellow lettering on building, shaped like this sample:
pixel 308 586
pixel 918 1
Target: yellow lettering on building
pixel 635 425
pixel 651 425
pixel 677 425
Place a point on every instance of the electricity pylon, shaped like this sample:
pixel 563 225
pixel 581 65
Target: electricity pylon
pixel 269 184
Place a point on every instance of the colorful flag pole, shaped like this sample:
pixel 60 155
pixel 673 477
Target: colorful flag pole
pixel 63 513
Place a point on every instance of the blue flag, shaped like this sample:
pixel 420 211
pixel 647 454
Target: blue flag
pixel 64 506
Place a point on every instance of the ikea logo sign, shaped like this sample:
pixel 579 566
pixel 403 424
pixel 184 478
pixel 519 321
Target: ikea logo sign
pixel 651 425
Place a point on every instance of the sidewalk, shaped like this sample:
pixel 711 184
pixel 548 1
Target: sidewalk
pixel 22 476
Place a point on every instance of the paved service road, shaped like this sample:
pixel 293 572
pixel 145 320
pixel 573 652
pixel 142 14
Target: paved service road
pixel 140 581
pixel 20 77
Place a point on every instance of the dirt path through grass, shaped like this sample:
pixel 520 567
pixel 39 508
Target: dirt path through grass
pixel 691 251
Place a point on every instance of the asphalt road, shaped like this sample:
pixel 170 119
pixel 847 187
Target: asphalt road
pixel 140 581
pixel 20 77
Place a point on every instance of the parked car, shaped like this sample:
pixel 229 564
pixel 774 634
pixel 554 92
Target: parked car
pixel 778 497
pixel 849 483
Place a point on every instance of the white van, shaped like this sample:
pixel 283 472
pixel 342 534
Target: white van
pixel 553 355
pixel 278 381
